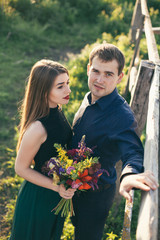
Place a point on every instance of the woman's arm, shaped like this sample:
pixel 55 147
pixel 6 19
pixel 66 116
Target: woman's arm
pixel 32 139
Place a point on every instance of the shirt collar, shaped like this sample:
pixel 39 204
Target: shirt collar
pixel 105 101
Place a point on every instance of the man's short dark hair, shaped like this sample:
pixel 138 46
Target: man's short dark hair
pixel 108 52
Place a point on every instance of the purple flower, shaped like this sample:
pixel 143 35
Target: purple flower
pixel 61 170
pixel 54 166
pixel 69 170
pixel 76 185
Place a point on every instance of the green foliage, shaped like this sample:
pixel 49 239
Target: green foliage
pixel 154 4
pixel 10 207
pixel 64 16
pixel 9 187
pixel 85 10
pixel 115 220
pixel 24 7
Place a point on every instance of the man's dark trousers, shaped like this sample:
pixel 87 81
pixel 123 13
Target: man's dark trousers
pixel 91 209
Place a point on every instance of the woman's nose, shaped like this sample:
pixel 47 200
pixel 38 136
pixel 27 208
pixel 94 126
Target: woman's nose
pixel 69 90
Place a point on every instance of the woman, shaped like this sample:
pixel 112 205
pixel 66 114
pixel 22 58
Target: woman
pixel 42 124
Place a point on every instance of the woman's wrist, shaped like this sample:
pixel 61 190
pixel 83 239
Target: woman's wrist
pixel 57 188
pixel 54 187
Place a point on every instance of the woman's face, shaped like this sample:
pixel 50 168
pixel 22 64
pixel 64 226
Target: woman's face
pixel 60 91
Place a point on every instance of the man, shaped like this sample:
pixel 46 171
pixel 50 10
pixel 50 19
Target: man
pixel 108 123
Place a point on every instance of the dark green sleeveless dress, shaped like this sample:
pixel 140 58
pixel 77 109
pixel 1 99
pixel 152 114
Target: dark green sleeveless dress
pixel 33 219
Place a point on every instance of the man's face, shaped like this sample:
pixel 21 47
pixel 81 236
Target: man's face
pixel 102 77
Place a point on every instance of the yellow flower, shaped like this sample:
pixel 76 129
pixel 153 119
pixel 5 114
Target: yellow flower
pixel 51 165
pixel 69 162
pixel 55 179
pixel 66 166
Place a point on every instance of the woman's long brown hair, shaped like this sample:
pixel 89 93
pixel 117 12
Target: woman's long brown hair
pixel 35 103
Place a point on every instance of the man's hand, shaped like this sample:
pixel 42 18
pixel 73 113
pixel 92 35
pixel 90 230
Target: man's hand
pixel 144 181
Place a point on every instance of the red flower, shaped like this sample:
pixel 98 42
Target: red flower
pixel 69 182
pixel 84 186
pixel 95 168
pixel 84 178
pixel 72 153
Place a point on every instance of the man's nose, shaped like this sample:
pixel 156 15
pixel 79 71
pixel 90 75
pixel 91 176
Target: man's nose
pixel 100 79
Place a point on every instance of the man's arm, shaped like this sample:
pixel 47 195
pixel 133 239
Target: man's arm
pixel 144 181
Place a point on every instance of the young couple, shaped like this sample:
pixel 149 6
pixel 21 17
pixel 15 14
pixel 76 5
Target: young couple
pixel 108 123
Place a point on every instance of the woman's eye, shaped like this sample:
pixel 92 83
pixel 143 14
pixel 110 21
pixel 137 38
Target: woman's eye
pixel 60 87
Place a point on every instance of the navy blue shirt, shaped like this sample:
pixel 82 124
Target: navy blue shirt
pixel 109 126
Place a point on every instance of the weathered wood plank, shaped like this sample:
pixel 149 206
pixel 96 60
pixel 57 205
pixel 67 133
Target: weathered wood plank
pixel 137 21
pixel 132 63
pixel 127 218
pixel 151 42
pixel 132 79
pixel 156 30
pixel 139 105
pixel 148 214
pixel 153 56
pixel 140 93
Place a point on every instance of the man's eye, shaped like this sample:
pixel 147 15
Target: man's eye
pixel 94 70
pixel 108 75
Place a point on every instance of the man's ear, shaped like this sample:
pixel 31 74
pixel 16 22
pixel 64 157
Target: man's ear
pixel 120 77
pixel 88 68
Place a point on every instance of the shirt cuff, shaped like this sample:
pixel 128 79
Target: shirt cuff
pixel 128 170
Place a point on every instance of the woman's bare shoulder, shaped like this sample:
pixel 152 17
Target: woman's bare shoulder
pixel 37 130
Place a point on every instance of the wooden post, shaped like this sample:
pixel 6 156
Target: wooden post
pixel 148 224
pixel 139 105
pixel 139 31
pixel 139 96
pixel 135 36
pixel 136 22
pixel 148 215
pixel 151 42
pixel 127 218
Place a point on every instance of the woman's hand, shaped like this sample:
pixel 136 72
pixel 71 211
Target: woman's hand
pixel 67 194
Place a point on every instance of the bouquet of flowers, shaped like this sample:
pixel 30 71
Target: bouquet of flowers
pixel 74 169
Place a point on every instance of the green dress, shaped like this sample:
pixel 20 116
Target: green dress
pixel 33 219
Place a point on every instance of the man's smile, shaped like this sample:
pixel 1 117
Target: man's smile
pixel 97 86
